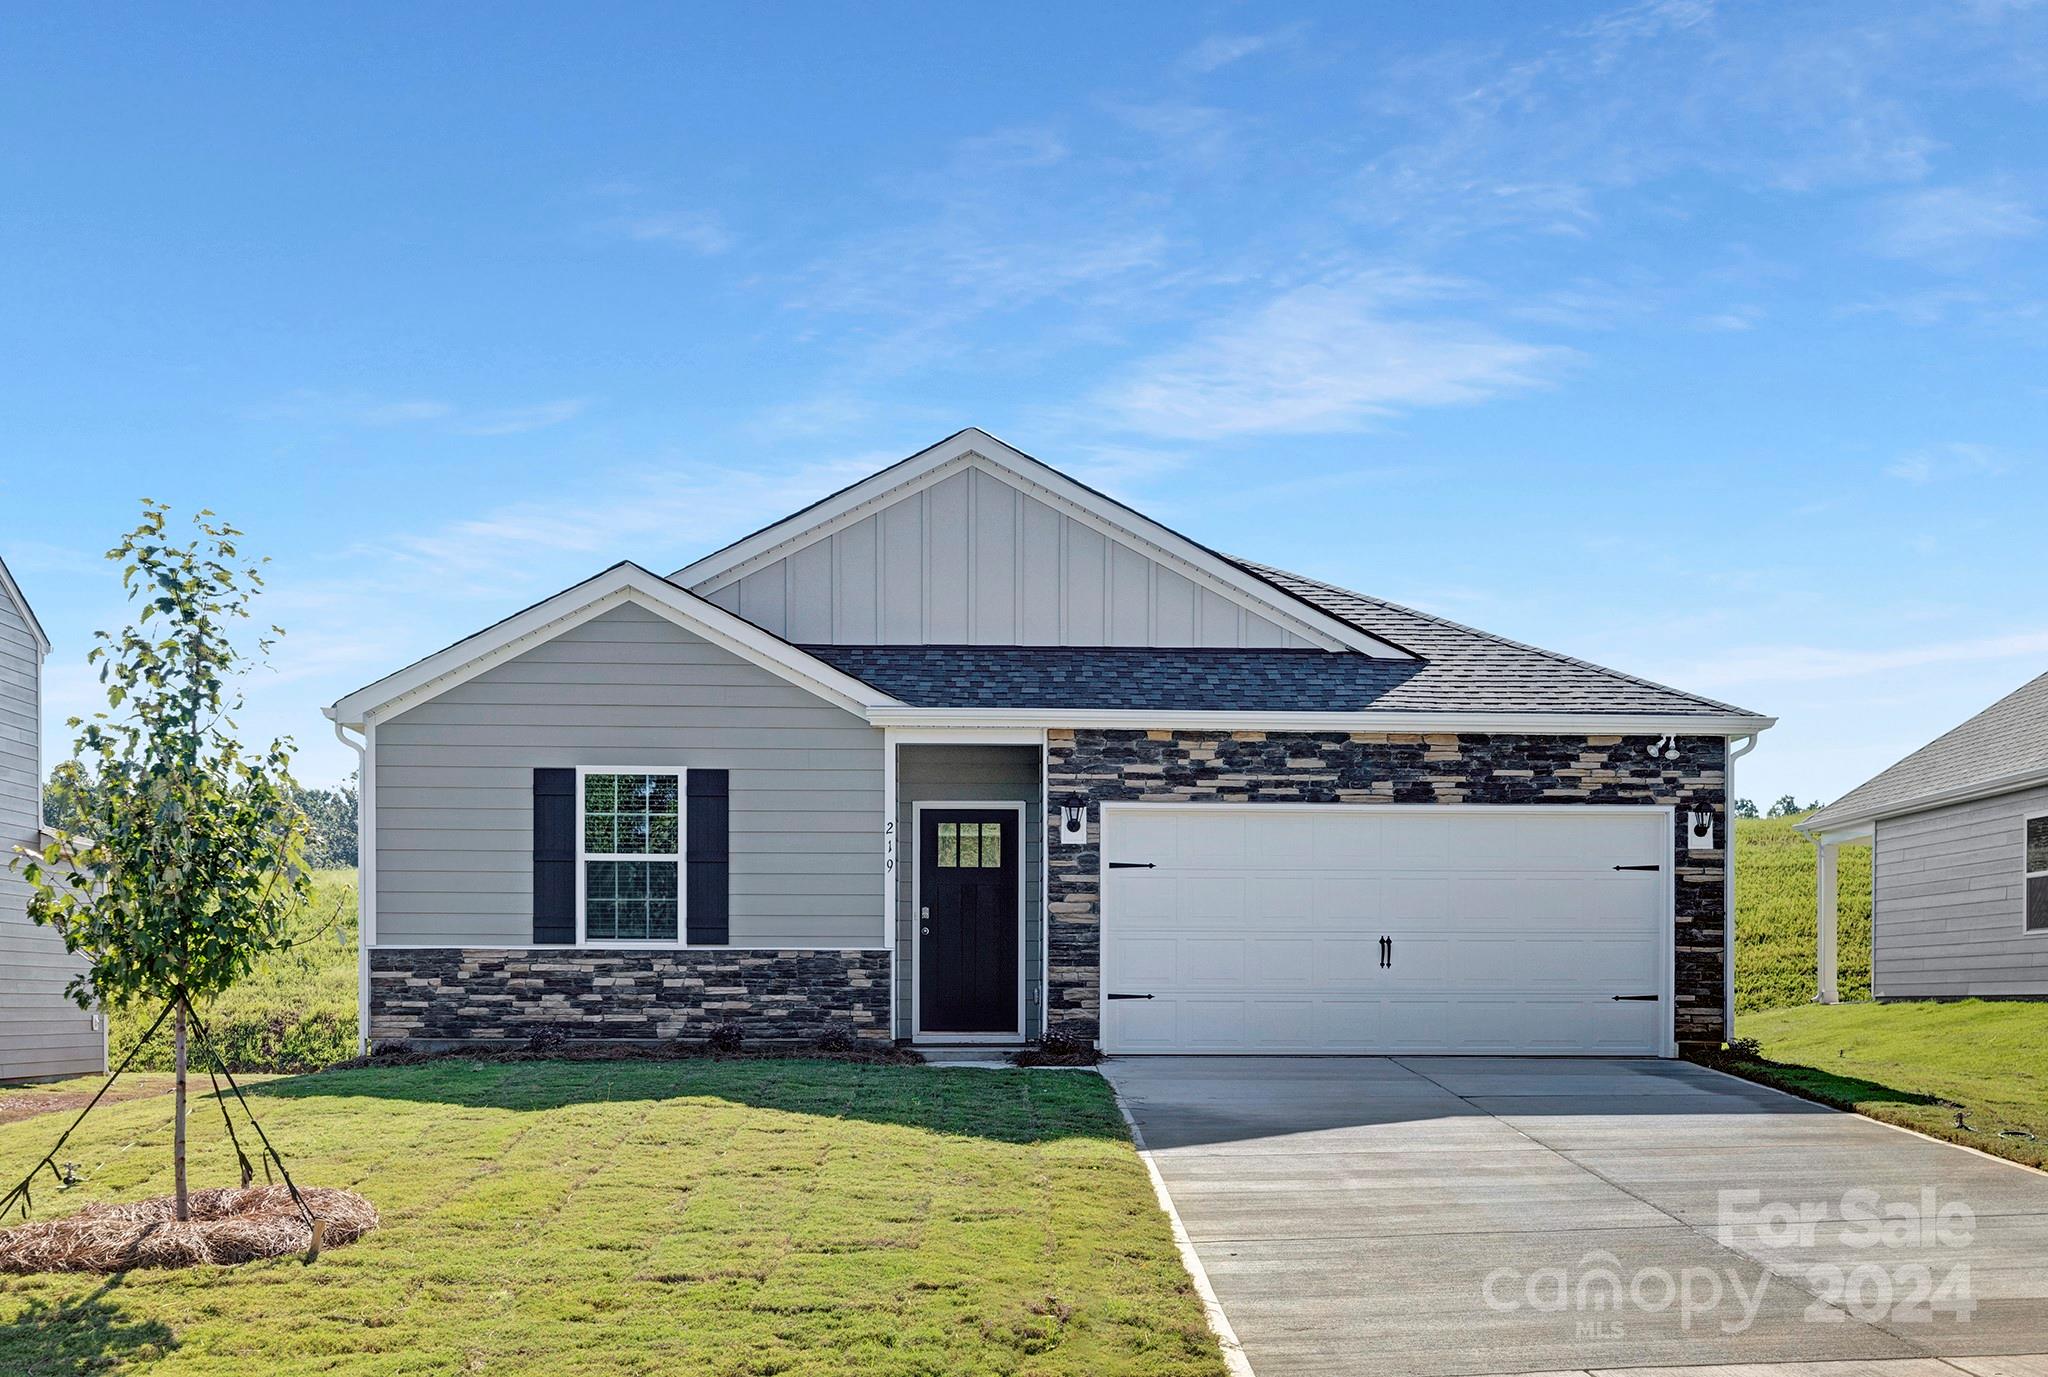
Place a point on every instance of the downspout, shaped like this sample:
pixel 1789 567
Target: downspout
pixel 1735 753
pixel 364 873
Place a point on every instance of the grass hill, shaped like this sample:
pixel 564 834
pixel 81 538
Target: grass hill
pixel 1774 925
pixel 296 1011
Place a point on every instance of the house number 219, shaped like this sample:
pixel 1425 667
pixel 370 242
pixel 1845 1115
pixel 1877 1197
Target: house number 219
pixel 889 847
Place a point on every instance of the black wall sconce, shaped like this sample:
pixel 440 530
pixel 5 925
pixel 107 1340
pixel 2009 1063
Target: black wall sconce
pixel 1073 818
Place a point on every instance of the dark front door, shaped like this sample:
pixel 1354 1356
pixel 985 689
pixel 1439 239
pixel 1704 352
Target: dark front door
pixel 967 924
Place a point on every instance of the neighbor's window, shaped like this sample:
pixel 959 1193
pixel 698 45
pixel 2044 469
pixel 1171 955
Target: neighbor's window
pixel 971 845
pixel 2037 874
pixel 632 857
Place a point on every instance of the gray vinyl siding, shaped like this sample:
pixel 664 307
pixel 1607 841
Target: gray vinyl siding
pixel 972 560
pixel 42 1033
pixel 454 780
pixel 1948 915
pixel 991 774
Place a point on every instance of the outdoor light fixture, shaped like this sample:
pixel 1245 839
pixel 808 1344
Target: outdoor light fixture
pixel 1663 748
pixel 1073 818
pixel 1699 831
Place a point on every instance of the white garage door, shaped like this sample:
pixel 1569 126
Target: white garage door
pixel 1275 928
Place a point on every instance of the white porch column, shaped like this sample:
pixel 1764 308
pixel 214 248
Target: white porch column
pixel 1826 911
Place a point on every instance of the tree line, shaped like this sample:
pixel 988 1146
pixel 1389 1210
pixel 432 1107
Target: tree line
pixel 71 796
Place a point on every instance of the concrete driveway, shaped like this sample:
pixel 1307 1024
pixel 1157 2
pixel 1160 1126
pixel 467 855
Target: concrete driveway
pixel 1455 1215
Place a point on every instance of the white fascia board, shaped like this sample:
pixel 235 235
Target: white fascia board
pixel 1827 821
pixel 625 583
pixel 1539 723
pixel 977 448
pixel 12 591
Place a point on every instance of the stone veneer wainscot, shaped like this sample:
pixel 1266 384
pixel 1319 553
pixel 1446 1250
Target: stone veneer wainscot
pixel 1364 767
pixel 441 995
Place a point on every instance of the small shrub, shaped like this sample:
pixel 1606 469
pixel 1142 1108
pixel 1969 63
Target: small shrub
pixel 839 1041
pixel 725 1040
pixel 1060 1049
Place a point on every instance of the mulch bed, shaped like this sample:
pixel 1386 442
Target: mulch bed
pixel 226 1226
pixel 548 1047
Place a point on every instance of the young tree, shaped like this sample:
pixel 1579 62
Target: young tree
pixel 1785 807
pixel 1745 808
pixel 188 855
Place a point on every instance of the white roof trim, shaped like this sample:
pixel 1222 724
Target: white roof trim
pixel 1158 719
pixel 1828 820
pixel 978 449
pixel 20 600
pixel 622 583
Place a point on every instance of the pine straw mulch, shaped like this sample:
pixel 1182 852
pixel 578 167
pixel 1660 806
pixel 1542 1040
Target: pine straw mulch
pixel 548 1047
pixel 231 1225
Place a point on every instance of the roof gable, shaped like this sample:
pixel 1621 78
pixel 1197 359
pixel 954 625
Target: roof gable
pixel 2003 747
pixel 973 541
pixel 622 583
pixel 11 591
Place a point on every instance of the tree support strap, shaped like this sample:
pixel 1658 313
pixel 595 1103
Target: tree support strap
pixel 241 1099
pixel 20 1194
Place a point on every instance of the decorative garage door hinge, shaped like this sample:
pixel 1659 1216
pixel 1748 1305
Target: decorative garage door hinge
pixel 1639 867
pixel 1125 996
pixel 1131 865
pixel 1640 998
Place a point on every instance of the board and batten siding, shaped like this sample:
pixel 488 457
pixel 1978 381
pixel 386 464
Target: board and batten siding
pixel 628 688
pixel 1948 915
pixel 972 560
pixel 42 1033
pixel 970 774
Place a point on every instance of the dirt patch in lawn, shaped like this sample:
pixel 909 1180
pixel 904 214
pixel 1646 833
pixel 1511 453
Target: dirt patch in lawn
pixel 27 1101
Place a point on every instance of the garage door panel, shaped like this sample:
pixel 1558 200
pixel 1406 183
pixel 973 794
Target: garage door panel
pixel 1260 930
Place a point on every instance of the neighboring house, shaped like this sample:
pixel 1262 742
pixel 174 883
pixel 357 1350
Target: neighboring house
pixel 1959 861
pixel 42 1033
pixel 969 752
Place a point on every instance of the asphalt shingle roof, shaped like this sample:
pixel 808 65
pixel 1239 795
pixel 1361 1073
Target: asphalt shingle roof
pixel 1475 671
pixel 2008 739
pixel 955 676
pixel 1459 670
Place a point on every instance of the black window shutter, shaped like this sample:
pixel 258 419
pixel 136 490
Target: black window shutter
pixel 707 856
pixel 554 856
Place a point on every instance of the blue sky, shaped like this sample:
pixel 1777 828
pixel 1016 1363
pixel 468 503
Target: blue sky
pixel 1701 340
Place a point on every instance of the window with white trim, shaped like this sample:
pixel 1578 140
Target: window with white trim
pixel 632 856
pixel 2036 901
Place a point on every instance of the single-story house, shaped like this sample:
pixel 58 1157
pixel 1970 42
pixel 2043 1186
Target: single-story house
pixel 1958 832
pixel 42 1033
pixel 969 753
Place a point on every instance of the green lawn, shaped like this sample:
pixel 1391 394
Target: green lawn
pixel 742 1217
pixel 1774 907
pixel 1918 1065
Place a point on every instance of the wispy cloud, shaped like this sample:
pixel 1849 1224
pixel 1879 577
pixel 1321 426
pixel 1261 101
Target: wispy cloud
pixel 1947 463
pixel 1790 664
pixel 696 230
pixel 1220 50
pixel 1324 358
pixel 1950 226
pixel 314 407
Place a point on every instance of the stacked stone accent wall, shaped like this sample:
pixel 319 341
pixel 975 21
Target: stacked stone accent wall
pixel 1339 767
pixel 438 995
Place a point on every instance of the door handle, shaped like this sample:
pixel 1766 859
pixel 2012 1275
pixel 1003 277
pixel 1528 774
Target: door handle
pixel 924 920
pixel 1386 953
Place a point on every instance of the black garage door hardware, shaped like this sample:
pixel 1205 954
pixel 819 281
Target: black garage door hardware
pixel 1132 865
pixel 1639 867
pixel 1124 996
pixel 1641 998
